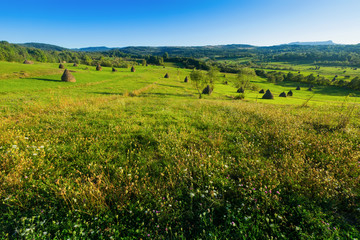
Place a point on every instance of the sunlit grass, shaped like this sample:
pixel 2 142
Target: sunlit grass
pixel 136 155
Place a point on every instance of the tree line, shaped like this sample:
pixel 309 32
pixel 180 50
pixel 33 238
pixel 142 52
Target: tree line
pixel 311 79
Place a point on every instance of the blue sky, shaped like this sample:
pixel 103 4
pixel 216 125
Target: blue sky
pixel 79 23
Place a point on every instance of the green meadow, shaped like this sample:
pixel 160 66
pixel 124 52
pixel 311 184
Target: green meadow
pixel 134 155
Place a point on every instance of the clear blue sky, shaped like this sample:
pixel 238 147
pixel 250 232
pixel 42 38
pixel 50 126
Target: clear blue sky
pixel 80 23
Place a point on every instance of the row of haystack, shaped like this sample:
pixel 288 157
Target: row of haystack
pixel 309 89
pixel 269 95
pixel 61 66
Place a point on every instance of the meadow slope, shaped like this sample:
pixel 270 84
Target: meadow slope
pixel 135 155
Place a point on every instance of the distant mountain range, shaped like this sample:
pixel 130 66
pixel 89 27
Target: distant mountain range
pixel 45 46
pixel 93 49
pixel 313 43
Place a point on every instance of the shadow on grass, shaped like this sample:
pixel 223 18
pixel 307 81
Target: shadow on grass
pixel 167 94
pixel 333 91
pixel 166 85
pixel 323 90
pixel 107 93
pixel 46 79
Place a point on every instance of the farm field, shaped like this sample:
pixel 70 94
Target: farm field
pixel 138 156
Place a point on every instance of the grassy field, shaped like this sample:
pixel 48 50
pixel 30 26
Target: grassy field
pixel 137 156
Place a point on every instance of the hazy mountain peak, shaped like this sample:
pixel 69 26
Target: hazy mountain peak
pixel 313 43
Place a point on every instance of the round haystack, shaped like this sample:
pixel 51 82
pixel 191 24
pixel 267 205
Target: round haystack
pixel 290 93
pixel 98 67
pixel 310 89
pixel 67 77
pixel 226 83
pixel 132 69
pixel 28 62
pixel 268 95
pixel 283 94
pixel 61 66
pixel 262 91
pixel 186 79
pixel 207 90
pixel 240 90
pixel 166 75
pixel 114 70
pixel 75 65
pixel 298 88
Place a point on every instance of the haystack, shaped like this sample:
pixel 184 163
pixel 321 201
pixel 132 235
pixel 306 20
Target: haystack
pixel 132 69
pixel 226 83
pixel 186 79
pixel 114 70
pixel 310 89
pixel 28 62
pixel 262 91
pixel 75 65
pixel 207 90
pixel 240 90
pixel 61 66
pixel 283 94
pixel 166 75
pixel 98 67
pixel 298 88
pixel 67 77
pixel 268 95
pixel 290 93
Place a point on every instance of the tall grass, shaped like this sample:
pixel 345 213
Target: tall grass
pixel 78 164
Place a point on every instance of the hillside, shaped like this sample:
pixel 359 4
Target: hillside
pixel 136 155
pixel 43 46
pixel 313 43
pixel 93 49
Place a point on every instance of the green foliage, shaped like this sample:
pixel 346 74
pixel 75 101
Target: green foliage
pixel 212 76
pixel 245 75
pixel 155 60
pixel 198 80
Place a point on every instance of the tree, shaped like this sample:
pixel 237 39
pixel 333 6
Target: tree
pixel 166 55
pixel 212 76
pixel 198 80
pixel 244 76
pixel 88 60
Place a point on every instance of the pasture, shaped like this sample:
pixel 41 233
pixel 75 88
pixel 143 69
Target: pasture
pixel 139 156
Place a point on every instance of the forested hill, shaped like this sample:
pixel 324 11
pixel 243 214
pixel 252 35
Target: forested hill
pixel 335 55
pixel 43 46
